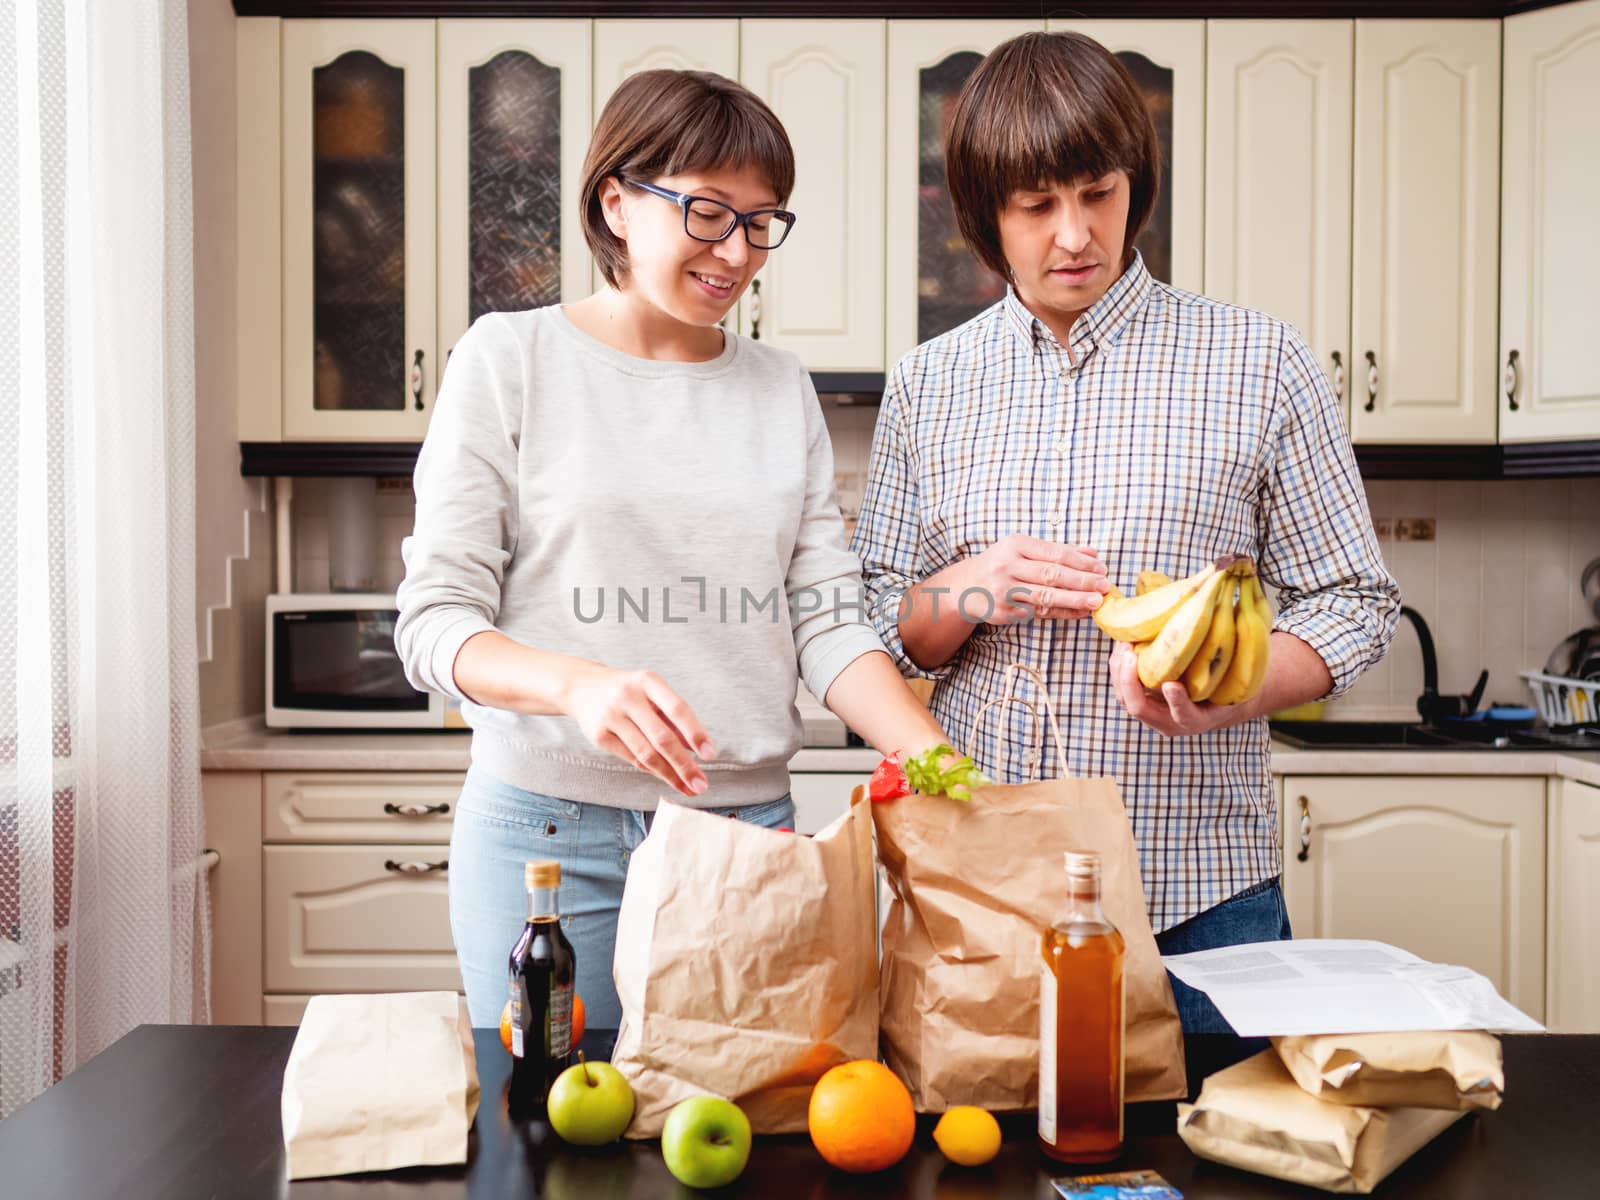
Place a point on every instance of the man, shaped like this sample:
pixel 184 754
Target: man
pixel 1097 423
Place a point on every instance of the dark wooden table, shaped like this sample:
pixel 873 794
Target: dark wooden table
pixel 179 1112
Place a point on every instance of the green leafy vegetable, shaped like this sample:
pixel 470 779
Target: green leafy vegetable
pixel 955 778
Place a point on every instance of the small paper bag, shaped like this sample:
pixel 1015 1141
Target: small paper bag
pixel 375 1083
pixel 1254 1116
pixel 974 885
pixel 746 964
pixel 1442 1069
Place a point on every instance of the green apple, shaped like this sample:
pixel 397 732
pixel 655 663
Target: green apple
pixel 590 1104
pixel 706 1141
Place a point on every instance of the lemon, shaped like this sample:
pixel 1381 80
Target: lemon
pixel 968 1136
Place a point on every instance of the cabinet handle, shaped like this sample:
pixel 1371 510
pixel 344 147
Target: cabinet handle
pixel 416 379
pixel 415 810
pixel 1372 380
pixel 1305 829
pixel 416 868
pixel 1512 380
pixel 1338 376
pixel 755 310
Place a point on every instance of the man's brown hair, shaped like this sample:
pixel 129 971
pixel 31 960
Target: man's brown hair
pixel 1046 108
pixel 669 122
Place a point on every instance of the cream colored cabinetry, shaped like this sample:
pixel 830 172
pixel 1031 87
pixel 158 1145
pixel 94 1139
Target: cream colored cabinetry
pixel 821 797
pixel 1549 255
pixel 1168 61
pixel 1452 869
pixel 821 293
pixel 623 47
pixel 1574 908
pixel 354 882
pixel 1426 216
pixel 1402 116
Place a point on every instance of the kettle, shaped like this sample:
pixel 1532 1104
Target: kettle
pixel 1578 654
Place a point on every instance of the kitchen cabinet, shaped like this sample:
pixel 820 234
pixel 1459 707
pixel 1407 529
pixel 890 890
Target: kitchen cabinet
pixel 1351 191
pixel 1574 908
pixel 1425 220
pixel 821 797
pixel 358 228
pixel 514 120
pixel 1449 868
pixel 425 173
pixel 1279 97
pixel 821 294
pixel 623 47
pixel 933 282
pixel 1549 257
pixel 1168 62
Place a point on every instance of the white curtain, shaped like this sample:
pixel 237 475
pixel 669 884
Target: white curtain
pixel 103 919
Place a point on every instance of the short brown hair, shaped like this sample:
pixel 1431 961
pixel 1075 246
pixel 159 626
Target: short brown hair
pixel 668 122
pixel 1046 108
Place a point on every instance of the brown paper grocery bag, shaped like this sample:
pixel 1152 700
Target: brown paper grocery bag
pixel 1253 1115
pixel 974 884
pixel 1438 1069
pixel 375 1083
pixel 745 964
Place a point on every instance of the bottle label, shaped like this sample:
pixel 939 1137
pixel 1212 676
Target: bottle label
pixel 1047 1054
pixel 561 1021
pixel 516 1019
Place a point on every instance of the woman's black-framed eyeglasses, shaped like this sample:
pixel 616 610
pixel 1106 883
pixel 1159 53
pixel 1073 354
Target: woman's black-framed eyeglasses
pixel 708 220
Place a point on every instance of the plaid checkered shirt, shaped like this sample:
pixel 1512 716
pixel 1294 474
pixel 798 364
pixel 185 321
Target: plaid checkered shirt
pixel 1179 429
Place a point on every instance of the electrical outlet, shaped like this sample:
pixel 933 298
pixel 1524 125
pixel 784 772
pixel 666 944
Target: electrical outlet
pixel 1384 526
pixel 1414 529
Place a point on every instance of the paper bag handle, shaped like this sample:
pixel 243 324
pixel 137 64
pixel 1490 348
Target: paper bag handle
pixel 1010 697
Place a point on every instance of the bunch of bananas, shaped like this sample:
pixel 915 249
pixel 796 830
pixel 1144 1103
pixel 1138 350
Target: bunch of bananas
pixel 1210 630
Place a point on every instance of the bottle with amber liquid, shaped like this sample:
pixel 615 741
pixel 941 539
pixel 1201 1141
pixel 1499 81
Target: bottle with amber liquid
pixel 1081 1025
pixel 542 974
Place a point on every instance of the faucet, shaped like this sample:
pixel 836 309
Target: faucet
pixel 1431 705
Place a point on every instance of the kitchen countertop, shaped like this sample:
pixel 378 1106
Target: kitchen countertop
pixel 250 746
pixel 177 1111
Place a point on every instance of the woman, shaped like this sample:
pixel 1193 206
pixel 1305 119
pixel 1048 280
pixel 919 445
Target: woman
pixel 627 548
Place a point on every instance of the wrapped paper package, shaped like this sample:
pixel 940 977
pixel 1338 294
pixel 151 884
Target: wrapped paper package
pixel 746 964
pixel 375 1083
pixel 973 886
pixel 1443 1069
pixel 1254 1116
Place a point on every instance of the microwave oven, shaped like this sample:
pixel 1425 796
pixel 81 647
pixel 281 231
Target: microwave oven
pixel 332 664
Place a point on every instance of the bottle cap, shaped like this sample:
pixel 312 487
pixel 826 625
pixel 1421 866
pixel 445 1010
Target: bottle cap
pixel 1082 863
pixel 544 874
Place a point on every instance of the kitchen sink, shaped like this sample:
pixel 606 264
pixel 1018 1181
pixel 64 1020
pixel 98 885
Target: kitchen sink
pixel 1368 735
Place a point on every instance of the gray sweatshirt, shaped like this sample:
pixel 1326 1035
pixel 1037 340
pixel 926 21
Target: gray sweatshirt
pixel 676 517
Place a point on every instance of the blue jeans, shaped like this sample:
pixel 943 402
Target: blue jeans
pixel 498 829
pixel 1256 914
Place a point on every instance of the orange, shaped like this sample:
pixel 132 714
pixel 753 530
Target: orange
pixel 861 1117
pixel 577 1022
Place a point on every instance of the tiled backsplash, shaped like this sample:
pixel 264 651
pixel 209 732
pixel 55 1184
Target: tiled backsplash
pixel 1498 584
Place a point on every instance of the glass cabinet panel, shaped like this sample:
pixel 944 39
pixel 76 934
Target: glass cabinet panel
pixel 952 285
pixel 514 189
pixel 358 230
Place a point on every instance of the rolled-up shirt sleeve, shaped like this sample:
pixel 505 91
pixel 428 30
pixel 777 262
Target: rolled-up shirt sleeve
pixel 888 534
pixel 1319 547
pixel 467 510
pixel 824 577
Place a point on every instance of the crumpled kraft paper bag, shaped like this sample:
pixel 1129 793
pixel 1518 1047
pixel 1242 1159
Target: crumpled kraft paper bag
pixel 1436 1069
pixel 974 884
pixel 1254 1116
pixel 746 964
pixel 375 1083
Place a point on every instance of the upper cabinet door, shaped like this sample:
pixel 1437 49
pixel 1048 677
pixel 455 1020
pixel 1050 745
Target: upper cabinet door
pixel 1549 365
pixel 624 47
pixel 1167 60
pixel 1278 115
pixel 821 292
pixel 514 100
pixel 358 229
pixel 1427 133
pixel 934 282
